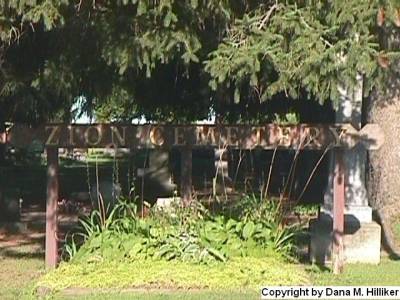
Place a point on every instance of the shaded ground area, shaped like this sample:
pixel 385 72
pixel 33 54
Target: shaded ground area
pixel 21 263
pixel 22 247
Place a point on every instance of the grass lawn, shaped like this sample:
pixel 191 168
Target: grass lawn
pixel 154 295
pixel 22 267
pixel 246 274
pixel 386 273
pixel 19 269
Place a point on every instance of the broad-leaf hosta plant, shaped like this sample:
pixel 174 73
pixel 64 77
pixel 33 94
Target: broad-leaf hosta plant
pixel 189 234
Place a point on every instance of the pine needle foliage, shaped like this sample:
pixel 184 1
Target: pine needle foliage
pixel 206 52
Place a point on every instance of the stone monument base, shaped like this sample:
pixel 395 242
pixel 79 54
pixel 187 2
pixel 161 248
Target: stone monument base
pixel 362 241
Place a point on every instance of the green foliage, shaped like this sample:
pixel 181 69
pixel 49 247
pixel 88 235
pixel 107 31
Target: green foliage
pixel 52 52
pixel 287 119
pixel 306 209
pixel 186 234
pixel 17 17
pixel 238 273
pixel 176 60
pixel 311 45
pixel 268 217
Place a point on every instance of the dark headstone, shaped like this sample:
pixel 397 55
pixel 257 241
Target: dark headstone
pixel 9 208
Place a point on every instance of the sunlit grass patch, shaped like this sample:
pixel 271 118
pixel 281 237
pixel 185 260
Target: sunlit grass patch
pixel 20 266
pixel 386 273
pixel 238 273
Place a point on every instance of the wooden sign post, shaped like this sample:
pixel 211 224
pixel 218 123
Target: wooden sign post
pixel 3 138
pixel 187 137
pixel 51 255
pixel 338 213
pixel 186 174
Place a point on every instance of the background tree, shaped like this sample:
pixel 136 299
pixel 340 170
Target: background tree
pixel 383 108
pixel 317 46
pixel 113 54
pixel 178 60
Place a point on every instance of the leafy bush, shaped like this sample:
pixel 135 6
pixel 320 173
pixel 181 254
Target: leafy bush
pixel 189 234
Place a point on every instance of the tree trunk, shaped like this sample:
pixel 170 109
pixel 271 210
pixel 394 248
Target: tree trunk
pixel 2 159
pixel 2 143
pixel 384 175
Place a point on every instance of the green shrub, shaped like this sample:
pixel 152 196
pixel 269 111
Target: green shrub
pixel 189 234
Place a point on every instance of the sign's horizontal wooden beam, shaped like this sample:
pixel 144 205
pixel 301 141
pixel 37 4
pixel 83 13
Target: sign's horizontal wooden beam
pixel 269 136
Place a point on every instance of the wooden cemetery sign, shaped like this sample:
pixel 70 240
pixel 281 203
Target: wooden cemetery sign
pixel 267 136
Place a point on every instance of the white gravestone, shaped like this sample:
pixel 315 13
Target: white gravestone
pixel 356 206
pixel 362 236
